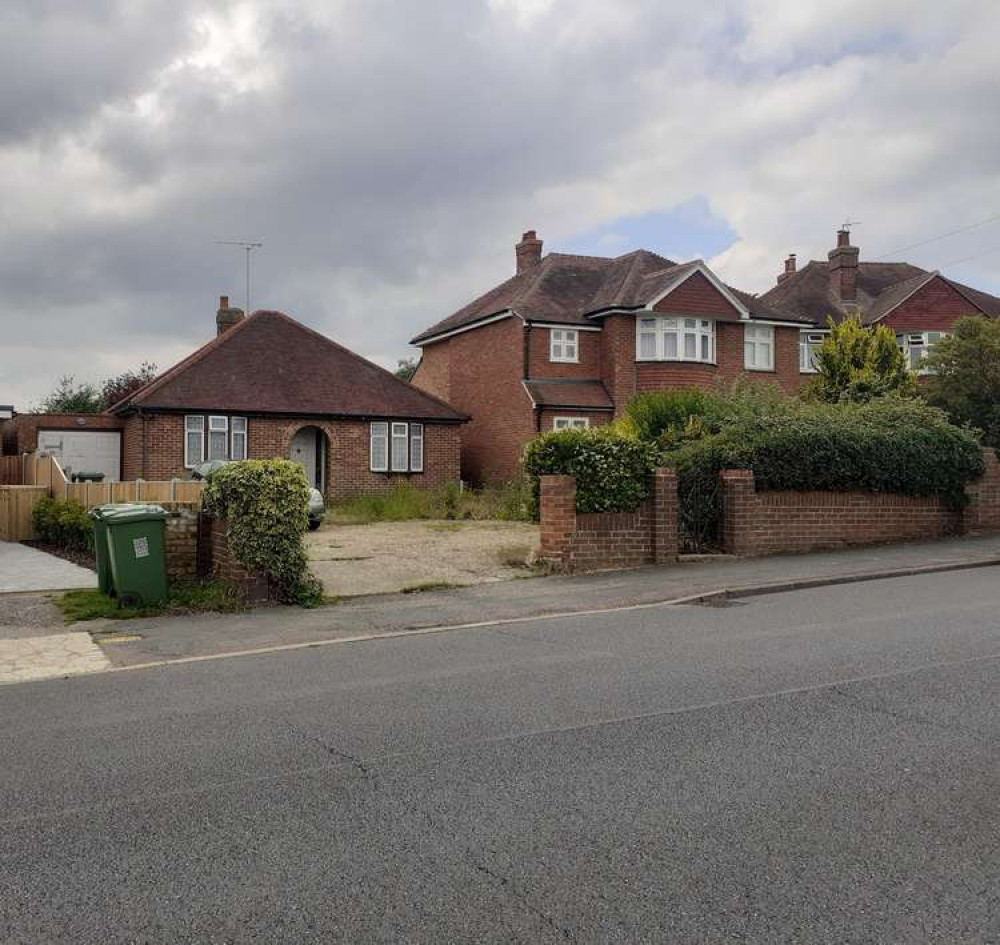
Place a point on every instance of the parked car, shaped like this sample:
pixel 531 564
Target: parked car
pixel 317 507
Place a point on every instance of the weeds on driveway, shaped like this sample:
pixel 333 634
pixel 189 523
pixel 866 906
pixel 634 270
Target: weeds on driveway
pixel 188 597
pixel 505 502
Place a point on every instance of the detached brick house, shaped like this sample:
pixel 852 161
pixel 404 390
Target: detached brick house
pixel 570 340
pixel 920 306
pixel 267 386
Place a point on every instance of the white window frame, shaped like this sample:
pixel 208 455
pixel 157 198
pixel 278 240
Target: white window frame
pixel 189 429
pixel 808 340
pixel 921 344
pixel 399 447
pixel 670 333
pixel 416 447
pixel 378 432
pixel 571 423
pixel 758 347
pixel 217 424
pixel 238 428
pixel 564 345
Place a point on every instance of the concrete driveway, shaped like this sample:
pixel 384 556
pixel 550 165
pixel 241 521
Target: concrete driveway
pixel 385 557
pixel 27 569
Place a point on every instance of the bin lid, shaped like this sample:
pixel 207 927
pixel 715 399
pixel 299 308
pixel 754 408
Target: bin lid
pixel 134 513
pixel 101 511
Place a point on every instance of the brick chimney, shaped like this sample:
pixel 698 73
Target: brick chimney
pixel 789 268
pixel 226 316
pixel 843 267
pixel 528 251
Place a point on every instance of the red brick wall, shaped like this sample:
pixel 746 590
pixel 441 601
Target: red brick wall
pixel 593 541
pixel 936 307
pixel 765 523
pixel 697 296
pixel 20 434
pixel 618 359
pixel 347 460
pixel 485 367
pixel 432 374
pixel 589 355
pixel 251 586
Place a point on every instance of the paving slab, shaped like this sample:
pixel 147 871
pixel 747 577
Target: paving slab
pixel 46 657
pixel 28 569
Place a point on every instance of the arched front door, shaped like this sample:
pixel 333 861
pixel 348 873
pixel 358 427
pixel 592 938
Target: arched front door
pixel 309 450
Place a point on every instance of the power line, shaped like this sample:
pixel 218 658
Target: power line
pixel 985 252
pixel 934 239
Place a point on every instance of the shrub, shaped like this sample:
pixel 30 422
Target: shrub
pixel 858 364
pixel 650 415
pixel 265 502
pixel 893 445
pixel 64 523
pixel 964 375
pixel 612 472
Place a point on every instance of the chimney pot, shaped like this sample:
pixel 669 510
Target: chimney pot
pixel 223 302
pixel 528 252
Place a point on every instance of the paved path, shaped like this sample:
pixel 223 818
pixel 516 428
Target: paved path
pixel 27 569
pixel 812 767
pixel 44 657
pixel 172 638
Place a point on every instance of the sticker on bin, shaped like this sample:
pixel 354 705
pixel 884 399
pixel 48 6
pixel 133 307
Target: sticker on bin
pixel 141 547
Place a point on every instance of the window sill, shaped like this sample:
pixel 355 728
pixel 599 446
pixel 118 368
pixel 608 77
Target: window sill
pixel 563 361
pixel 675 361
pixel 760 370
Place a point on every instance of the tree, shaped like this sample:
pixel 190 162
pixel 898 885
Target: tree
pixel 70 397
pixel 964 375
pixel 406 368
pixel 117 388
pixel 858 364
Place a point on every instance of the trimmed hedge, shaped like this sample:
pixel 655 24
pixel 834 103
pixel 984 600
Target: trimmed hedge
pixel 613 473
pixel 64 523
pixel 890 445
pixel 265 502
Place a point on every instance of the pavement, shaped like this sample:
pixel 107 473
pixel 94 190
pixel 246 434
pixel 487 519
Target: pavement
pixel 135 642
pixel 28 569
pixel 814 766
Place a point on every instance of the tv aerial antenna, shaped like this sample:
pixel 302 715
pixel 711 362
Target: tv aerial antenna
pixel 248 247
pixel 848 223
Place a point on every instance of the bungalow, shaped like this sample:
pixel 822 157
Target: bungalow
pixel 268 386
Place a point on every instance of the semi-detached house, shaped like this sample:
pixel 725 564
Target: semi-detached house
pixel 569 340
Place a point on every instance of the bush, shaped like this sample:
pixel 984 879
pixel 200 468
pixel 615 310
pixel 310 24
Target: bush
pixel 63 523
pixel 612 472
pixel 265 502
pixel 649 416
pixel 895 445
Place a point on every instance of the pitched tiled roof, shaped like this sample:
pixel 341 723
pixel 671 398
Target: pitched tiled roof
pixel 565 289
pixel 270 363
pixel 990 304
pixel 585 395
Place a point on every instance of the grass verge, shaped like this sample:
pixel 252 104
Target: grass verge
pixel 192 597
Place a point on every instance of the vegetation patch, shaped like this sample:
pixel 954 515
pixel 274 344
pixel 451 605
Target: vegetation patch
pixel 505 502
pixel 63 523
pixel 185 597
pixel 429 586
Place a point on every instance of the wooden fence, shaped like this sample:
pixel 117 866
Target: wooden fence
pixel 16 504
pixel 10 471
pixel 42 476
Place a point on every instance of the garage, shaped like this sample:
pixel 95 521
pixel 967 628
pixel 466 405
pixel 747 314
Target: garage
pixel 84 450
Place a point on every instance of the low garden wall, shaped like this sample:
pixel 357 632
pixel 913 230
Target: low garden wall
pixel 216 560
pixel 593 541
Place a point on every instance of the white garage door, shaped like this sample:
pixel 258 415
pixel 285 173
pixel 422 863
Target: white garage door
pixel 84 450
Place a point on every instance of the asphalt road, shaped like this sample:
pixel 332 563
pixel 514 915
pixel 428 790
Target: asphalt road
pixel 812 767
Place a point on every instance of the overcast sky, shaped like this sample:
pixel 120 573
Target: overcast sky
pixel 390 152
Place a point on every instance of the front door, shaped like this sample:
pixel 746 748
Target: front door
pixel 305 452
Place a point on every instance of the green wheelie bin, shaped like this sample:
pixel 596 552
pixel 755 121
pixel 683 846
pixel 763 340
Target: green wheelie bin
pixel 138 552
pixel 96 514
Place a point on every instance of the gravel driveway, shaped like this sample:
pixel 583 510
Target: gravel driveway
pixel 393 556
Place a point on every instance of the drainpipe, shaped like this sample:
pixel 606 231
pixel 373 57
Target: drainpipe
pixel 526 373
pixel 145 454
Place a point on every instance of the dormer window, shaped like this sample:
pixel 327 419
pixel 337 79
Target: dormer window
pixel 668 338
pixel 564 345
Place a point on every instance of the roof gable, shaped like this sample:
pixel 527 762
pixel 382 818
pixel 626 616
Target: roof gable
pixel 270 363
pixel 693 288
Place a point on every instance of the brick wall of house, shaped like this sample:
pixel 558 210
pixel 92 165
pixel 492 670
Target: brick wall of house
pixel 20 433
pixel 618 359
pixel 765 523
pixel 589 355
pixel 486 367
pixel 433 373
pixel 576 541
pixel 347 459
pixel 935 307
pixel 697 296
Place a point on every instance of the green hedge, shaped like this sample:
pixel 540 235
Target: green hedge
pixel 64 523
pixel 891 445
pixel 613 473
pixel 265 502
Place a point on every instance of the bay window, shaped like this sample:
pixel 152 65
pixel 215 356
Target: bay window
pixel 669 338
pixel 758 347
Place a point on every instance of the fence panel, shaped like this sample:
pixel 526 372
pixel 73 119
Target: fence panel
pixel 10 471
pixel 16 505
